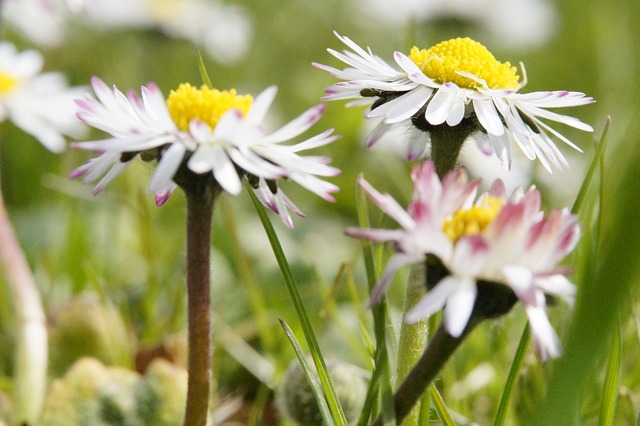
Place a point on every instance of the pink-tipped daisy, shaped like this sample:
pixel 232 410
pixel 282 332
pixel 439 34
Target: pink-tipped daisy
pixel 487 238
pixel 211 133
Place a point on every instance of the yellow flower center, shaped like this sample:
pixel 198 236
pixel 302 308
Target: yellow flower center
pixel 445 60
pixel 7 82
pixel 473 221
pixel 207 105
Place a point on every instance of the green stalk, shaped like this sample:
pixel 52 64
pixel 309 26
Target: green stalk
pixel 380 378
pixel 314 348
pixel 611 381
pixel 413 337
pixel 315 386
pixel 514 372
pixel 438 352
pixel 446 143
pixel 441 408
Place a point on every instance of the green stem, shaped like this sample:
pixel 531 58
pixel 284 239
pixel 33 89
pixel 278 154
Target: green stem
pixel 199 214
pixel 446 143
pixel 516 366
pixel 31 348
pixel 440 349
pixel 413 337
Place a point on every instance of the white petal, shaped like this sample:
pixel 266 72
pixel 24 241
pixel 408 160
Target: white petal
pixel 544 335
pixel 445 103
pixel 397 261
pixel 408 104
pixel 261 105
pixel 166 169
pixel 297 126
pixel 433 301
pixel 459 306
pixel 488 116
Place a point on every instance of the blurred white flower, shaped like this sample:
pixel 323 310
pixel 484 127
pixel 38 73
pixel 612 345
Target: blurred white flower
pixel 41 21
pixel 453 83
pixel 41 104
pixel 219 133
pixel 490 238
pixel 224 31
pixel 511 23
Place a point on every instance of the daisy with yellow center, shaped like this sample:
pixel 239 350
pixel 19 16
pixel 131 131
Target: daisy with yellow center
pixel 446 61
pixel 455 83
pixel 7 83
pixel 203 131
pixel 472 221
pixel 506 240
pixel 208 105
pixel 41 104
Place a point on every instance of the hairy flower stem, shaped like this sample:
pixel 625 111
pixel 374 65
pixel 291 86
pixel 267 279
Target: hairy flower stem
pixel 31 347
pixel 440 349
pixel 493 300
pixel 446 143
pixel 199 214
pixel 413 337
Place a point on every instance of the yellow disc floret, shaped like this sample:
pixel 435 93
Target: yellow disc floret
pixel 474 220
pixel 443 61
pixel 207 105
pixel 7 82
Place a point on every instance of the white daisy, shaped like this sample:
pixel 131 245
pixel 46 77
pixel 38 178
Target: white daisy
pixel 211 132
pixel 505 241
pixel 453 83
pixel 41 104
pixel 512 23
pixel 41 21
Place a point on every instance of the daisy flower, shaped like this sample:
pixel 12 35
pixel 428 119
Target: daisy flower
pixel 456 83
pixel 206 132
pixel 490 238
pixel 511 23
pixel 41 104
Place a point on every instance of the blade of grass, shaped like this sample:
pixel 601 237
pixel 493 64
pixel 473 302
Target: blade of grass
pixel 247 277
pixel 203 70
pixel 441 407
pixel 292 287
pixel 514 372
pixel 325 412
pixel 356 302
pixel 381 377
pixel 611 381
pixel 330 308
pixel 595 163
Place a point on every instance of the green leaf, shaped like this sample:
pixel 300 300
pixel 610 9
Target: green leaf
pixel 381 376
pixel 311 377
pixel 611 381
pixel 595 163
pixel 441 407
pixel 203 70
pixel 514 372
pixel 314 348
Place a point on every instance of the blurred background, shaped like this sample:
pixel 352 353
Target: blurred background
pixel 110 269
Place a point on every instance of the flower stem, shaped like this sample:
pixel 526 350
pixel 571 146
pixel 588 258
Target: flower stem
pixel 199 214
pixel 413 337
pixel 31 349
pixel 440 349
pixel 446 143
